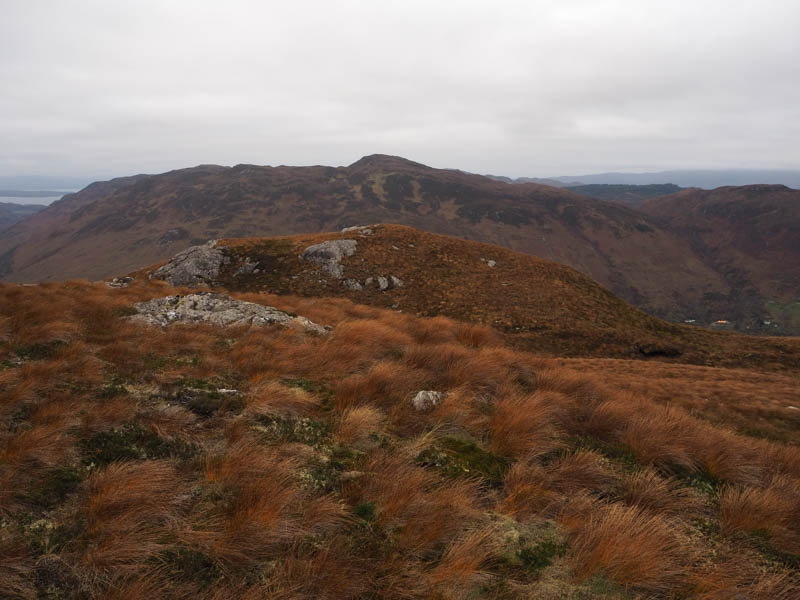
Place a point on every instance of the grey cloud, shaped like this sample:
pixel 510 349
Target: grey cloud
pixel 520 88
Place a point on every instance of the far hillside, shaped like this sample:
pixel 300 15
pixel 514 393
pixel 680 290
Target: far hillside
pixel 626 194
pixel 537 305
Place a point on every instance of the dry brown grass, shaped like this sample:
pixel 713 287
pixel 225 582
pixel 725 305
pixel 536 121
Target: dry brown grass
pixel 773 510
pixel 274 398
pixel 410 500
pixel 357 424
pixel 632 546
pixel 335 502
pixel 461 568
pixel 522 426
pixel 128 508
pixel 649 490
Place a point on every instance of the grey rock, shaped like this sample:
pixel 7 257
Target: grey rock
pixel 216 309
pixel 491 263
pixel 247 268
pixel 426 400
pixel 329 255
pixel 352 284
pixel 194 266
pixel 120 282
pixel 368 281
pixel 383 283
pixel 396 281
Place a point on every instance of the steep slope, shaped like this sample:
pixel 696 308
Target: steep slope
pixel 751 236
pixel 122 224
pixel 11 213
pixel 538 305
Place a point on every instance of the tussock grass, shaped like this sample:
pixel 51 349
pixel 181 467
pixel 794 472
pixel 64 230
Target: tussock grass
pixel 324 482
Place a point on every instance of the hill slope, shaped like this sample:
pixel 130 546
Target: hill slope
pixel 751 236
pixel 212 463
pixel 538 305
pixel 11 212
pixel 123 224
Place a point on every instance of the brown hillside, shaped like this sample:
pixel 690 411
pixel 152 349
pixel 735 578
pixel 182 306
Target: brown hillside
pixel 120 225
pixel 751 236
pixel 219 463
pixel 538 305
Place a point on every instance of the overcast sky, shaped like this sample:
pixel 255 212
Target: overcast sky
pixel 535 87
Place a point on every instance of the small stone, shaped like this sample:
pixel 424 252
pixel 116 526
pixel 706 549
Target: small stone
pixel 426 400
pixel 396 281
pixel 120 282
pixel 383 283
pixel 395 247
pixel 491 263
pixel 352 284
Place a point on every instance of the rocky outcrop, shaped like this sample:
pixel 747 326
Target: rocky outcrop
pixel 198 265
pixel 216 309
pixel 426 399
pixel 330 254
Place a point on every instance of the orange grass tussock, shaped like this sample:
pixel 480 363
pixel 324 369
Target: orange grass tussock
pixel 213 463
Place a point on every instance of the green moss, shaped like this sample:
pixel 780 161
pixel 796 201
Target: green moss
pixel 699 479
pixel 298 430
pixel 455 457
pixel 124 311
pixel 365 511
pixel 56 486
pixel 39 351
pixel 538 557
pixel 48 537
pixel 621 454
pixel 312 387
pixel 131 442
pixel 206 403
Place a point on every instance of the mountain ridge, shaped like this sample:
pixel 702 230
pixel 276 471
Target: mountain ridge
pixel 118 225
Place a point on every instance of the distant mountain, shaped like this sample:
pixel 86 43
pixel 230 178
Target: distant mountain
pixel 118 225
pixel 626 194
pixel 11 213
pixel 706 178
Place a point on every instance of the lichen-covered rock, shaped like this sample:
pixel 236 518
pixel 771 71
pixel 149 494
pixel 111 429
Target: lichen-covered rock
pixel 426 400
pixel 216 309
pixel 329 255
pixel 194 266
pixel 120 282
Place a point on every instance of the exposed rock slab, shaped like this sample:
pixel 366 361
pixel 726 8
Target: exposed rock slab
pixel 330 254
pixel 216 309
pixel 194 266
